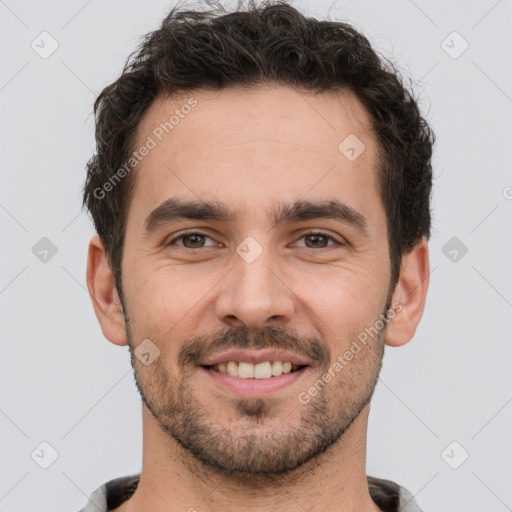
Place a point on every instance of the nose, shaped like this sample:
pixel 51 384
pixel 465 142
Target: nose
pixel 254 293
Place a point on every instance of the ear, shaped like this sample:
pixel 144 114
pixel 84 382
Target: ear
pixel 410 292
pixel 105 299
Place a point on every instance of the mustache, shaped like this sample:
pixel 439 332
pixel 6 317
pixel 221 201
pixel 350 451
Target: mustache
pixel 200 347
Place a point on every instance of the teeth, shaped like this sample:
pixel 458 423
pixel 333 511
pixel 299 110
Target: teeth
pixel 232 368
pixel 287 367
pixel 262 370
pixel 277 368
pixel 246 370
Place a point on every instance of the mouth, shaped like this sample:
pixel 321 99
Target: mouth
pixel 254 380
pixel 254 373
pixel 262 370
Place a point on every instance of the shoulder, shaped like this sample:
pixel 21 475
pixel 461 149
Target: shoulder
pixel 391 497
pixel 112 494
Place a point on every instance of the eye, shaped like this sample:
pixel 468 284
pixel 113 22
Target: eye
pixel 195 240
pixel 319 239
pixel 192 240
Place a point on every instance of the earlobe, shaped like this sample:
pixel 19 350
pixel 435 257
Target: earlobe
pixel 104 296
pixel 410 294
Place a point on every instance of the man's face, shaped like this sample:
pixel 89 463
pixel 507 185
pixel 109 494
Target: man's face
pixel 261 281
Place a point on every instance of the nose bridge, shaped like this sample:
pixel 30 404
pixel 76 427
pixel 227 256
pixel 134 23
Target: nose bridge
pixel 253 291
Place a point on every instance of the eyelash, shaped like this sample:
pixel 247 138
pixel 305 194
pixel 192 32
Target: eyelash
pixel 318 233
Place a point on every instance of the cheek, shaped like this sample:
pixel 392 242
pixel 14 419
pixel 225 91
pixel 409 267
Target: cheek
pixel 343 306
pixel 340 295
pixel 163 290
pixel 344 292
pixel 168 306
pixel 154 305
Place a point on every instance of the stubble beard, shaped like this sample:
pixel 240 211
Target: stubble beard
pixel 257 449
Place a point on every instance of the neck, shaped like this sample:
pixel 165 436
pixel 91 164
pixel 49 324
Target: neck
pixel 172 479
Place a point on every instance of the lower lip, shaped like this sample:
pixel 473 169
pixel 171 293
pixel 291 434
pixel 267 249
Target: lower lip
pixel 255 387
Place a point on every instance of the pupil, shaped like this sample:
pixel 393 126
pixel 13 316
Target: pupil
pixel 317 237
pixel 311 237
pixel 193 236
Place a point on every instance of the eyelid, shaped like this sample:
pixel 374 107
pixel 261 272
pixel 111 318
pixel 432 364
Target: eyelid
pixel 306 233
pixel 185 233
pixel 324 234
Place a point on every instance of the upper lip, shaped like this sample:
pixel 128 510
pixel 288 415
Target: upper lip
pixel 254 356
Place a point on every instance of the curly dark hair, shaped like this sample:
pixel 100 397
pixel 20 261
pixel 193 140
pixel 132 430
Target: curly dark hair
pixel 269 42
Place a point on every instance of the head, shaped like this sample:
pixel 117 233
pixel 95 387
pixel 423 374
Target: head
pixel 262 181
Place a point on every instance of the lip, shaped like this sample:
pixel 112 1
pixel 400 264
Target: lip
pixel 255 357
pixel 251 388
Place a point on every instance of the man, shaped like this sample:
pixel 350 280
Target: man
pixel 261 194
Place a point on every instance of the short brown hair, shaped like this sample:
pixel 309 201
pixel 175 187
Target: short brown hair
pixel 269 43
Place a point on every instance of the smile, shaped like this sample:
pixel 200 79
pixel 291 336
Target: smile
pixel 263 370
pixel 251 386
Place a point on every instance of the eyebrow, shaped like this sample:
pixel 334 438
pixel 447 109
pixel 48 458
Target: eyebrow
pixel 175 209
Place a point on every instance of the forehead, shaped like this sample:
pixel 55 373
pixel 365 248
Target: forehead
pixel 252 146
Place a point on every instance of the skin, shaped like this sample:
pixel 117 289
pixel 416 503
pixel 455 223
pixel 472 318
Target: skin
pixel 253 149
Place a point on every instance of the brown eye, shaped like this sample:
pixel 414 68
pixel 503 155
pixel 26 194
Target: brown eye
pixel 317 240
pixel 191 240
pixel 194 240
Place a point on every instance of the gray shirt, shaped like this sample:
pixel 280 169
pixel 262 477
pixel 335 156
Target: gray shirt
pixel 388 496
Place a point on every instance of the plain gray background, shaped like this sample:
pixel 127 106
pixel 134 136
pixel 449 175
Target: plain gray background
pixel 62 383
